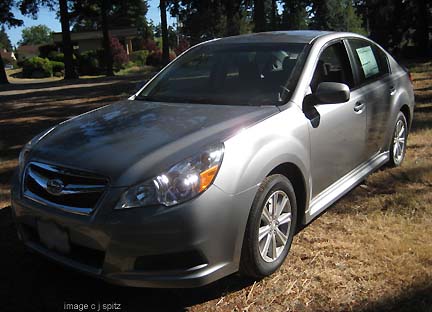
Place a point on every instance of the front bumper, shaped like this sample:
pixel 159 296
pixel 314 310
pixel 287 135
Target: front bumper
pixel 188 245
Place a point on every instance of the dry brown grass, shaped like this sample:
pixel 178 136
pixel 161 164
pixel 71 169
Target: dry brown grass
pixel 370 251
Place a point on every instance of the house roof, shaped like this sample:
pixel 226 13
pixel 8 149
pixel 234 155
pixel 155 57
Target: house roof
pixel 7 55
pixel 97 34
pixel 28 49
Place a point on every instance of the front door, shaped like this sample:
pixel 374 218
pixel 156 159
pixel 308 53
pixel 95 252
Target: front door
pixel 338 138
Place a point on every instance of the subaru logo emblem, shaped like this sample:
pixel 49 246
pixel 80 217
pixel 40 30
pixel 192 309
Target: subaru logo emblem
pixel 55 186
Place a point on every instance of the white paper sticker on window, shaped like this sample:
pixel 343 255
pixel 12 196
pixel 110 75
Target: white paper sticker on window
pixel 368 61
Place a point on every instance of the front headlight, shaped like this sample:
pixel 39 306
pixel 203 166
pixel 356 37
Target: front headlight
pixel 180 183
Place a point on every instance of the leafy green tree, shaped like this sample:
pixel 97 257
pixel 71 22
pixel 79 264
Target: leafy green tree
pixel 108 14
pixel 31 7
pixel 4 40
pixel 34 35
pixel 7 18
pixel 86 15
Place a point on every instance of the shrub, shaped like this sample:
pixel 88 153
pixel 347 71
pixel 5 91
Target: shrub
pixel 149 45
pixel 182 46
pixel 120 57
pixel 155 58
pixel 56 56
pixel 57 67
pixel 88 63
pixel 139 57
pixel 46 49
pixel 37 67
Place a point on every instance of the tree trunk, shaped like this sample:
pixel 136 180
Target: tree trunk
pixel 106 38
pixel 3 76
pixel 232 9
pixel 259 15
pixel 164 26
pixel 67 43
pixel 422 32
pixel 273 15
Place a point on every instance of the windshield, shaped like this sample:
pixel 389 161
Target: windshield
pixel 230 74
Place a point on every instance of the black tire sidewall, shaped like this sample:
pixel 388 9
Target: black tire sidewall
pixel 257 266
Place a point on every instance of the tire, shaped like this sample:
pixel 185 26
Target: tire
pixel 398 141
pixel 255 261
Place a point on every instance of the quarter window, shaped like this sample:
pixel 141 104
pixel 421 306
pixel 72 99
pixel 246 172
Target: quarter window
pixel 371 61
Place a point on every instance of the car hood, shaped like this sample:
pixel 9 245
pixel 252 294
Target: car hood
pixel 131 141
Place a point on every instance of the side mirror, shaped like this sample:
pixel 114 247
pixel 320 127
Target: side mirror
pixel 332 92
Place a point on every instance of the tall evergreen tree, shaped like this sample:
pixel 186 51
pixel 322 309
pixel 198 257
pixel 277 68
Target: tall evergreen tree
pixel 336 15
pixel 259 16
pixel 105 6
pixel 70 72
pixel 294 15
pixel 164 28
pixel 201 20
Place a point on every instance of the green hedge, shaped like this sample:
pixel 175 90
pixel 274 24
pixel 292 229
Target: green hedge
pixel 56 56
pixel 139 57
pixel 88 63
pixel 57 67
pixel 37 67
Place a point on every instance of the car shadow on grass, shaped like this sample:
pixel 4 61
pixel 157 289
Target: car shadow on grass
pixel 30 282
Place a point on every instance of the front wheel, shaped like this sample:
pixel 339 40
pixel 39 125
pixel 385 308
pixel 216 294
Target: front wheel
pixel 399 141
pixel 270 228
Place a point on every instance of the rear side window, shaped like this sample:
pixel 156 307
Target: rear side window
pixel 371 61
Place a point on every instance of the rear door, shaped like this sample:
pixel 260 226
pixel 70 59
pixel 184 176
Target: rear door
pixel 338 139
pixel 373 80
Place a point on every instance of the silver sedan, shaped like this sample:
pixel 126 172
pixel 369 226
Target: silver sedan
pixel 214 164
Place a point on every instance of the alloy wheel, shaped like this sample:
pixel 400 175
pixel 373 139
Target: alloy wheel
pixel 399 141
pixel 274 226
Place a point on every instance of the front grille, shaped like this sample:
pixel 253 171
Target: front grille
pixel 70 190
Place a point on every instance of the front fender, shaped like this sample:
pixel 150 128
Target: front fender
pixel 254 152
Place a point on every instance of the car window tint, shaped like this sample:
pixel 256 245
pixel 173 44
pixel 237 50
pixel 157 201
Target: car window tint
pixel 235 74
pixel 333 66
pixel 371 60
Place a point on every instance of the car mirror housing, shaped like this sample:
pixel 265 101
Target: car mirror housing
pixel 332 93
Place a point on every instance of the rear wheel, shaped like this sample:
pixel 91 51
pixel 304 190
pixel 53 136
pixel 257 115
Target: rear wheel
pixel 270 228
pixel 399 141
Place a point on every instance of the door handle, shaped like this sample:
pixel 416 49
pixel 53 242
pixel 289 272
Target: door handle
pixel 358 107
pixel 392 90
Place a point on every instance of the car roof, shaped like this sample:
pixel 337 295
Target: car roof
pixel 290 36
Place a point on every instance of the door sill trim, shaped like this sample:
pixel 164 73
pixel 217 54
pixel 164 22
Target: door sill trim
pixel 338 189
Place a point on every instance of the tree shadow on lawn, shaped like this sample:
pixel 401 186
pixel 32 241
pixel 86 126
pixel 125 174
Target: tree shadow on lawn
pixel 25 115
pixel 59 83
pixel 418 298
pixel 30 282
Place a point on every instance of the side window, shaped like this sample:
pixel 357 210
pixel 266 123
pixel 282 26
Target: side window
pixel 371 61
pixel 333 66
